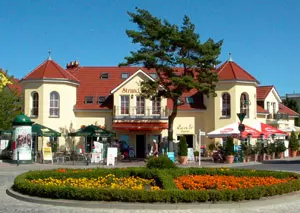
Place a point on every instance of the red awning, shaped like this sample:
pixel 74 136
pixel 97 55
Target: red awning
pixel 269 130
pixel 140 126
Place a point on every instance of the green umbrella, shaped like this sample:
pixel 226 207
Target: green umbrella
pixel 40 130
pixel 93 130
pixel 6 132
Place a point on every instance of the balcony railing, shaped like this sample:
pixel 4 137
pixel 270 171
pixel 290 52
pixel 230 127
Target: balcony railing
pixel 278 116
pixel 140 113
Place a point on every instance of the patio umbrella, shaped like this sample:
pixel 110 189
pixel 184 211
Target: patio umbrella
pixel 233 130
pixel 40 130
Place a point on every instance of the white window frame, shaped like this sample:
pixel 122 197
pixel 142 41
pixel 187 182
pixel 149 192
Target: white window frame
pixel 156 106
pixel 140 105
pixel 54 105
pixel 121 101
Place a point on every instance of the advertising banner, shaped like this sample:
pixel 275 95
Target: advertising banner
pixel 23 143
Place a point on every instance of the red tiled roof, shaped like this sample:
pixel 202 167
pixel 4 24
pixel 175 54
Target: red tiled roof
pixel 92 85
pixel 260 109
pixel 15 86
pixel 285 110
pixel 50 70
pixel 231 71
pixel 263 91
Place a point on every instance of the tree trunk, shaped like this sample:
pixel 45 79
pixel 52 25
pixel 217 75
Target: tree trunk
pixel 170 126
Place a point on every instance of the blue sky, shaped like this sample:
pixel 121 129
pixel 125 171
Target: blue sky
pixel 263 36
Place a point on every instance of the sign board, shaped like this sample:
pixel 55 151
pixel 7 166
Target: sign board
pixel 47 153
pixel 171 156
pixel 191 154
pixel 96 158
pixel 112 153
pixel 202 133
pixel 184 128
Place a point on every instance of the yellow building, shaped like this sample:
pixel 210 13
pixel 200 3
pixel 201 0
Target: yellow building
pixel 66 99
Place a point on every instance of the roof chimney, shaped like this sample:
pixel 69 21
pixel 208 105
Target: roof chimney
pixel 73 64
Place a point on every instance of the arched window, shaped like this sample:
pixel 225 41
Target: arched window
pixel 226 105
pixel 34 104
pixel 54 104
pixel 244 104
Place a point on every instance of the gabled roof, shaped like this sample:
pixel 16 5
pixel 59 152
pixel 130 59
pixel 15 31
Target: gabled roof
pixel 49 69
pixel 231 71
pixel 263 91
pixel 285 110
pixel 130 78
pixel 92 85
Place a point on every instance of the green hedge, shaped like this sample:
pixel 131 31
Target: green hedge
pixel 164 179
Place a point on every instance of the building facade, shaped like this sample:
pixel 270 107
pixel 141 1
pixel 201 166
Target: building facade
pixel 66 99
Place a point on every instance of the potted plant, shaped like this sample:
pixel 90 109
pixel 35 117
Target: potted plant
pixel 280 148
pixel 229 150
pixel 182 150
pixel 196 155
pixel 293 145
pixel 211 147
pixel 257 150
pixel 247 151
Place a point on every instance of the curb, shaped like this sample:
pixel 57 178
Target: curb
pixel 263 202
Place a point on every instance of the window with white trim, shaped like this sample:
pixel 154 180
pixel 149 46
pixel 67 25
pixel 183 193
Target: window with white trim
pixel 226 109
pixel 189 100
pixel 124 104
pixel 34 104
pixel 124 75
pixel 156 106
pixel 101 99
pixel 89 99
pixel 140 105
pixel 54 104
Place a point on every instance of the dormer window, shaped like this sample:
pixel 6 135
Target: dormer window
pixel 124 75
pixel 189 100
pixel 88 99
pixel 101 99
pixel 153 75
pixel 104 75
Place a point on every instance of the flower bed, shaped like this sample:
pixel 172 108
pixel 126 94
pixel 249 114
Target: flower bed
pixel 154 185
pixel 221 182
pixel 108 181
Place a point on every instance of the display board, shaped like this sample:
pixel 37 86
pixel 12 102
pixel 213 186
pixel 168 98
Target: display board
pixel 191 154
pixel 112 153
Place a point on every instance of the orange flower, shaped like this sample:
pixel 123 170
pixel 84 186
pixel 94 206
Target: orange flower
pixel 220 182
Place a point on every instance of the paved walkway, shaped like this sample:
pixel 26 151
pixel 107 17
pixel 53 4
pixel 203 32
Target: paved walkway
pixel 288 203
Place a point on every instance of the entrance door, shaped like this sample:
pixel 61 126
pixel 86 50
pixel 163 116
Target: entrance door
pixel 140 146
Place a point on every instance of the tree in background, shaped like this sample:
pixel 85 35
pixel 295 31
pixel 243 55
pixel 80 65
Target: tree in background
pixel 11 105
pixel 292 104
pixel 164 48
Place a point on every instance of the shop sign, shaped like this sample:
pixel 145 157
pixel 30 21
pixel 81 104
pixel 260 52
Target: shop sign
pixel 185 129
pixel 126 90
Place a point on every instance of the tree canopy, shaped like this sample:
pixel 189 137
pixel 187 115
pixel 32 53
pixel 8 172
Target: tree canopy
pixel 181 61
pixel 11 104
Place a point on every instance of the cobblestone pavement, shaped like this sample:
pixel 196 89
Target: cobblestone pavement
pixel 290 203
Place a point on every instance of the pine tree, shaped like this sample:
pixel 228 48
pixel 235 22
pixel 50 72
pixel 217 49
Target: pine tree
pixel 165 47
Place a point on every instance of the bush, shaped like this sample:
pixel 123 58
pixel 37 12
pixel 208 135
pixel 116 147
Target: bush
pixel 293 144
pixel 229 146
pixel 162 162
pixel 164 178
pixel 182 147
pixel 280 147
